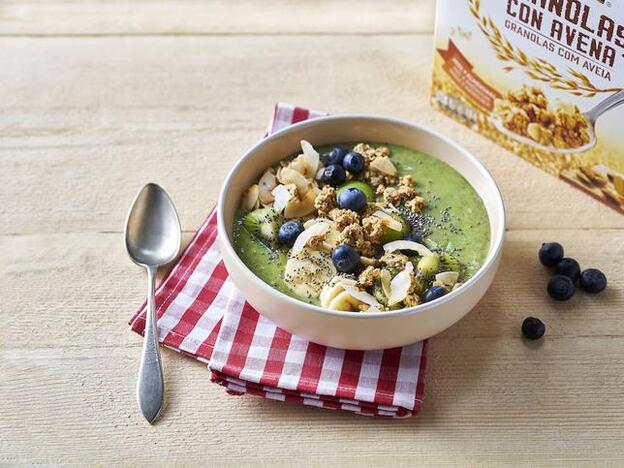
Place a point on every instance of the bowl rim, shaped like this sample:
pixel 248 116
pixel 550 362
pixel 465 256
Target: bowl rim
pixel 489 262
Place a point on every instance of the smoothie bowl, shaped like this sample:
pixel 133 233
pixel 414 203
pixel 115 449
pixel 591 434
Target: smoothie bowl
pixel 360 232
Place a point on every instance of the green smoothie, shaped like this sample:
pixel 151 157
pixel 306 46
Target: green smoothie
pixel 454 223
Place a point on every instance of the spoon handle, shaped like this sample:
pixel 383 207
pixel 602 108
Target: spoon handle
pixel 150 386
pixel 606 104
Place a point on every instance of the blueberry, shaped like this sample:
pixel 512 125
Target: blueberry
pixel 335 156
pixel 352 199
pixel 353 162
pixel 568 267
pixel 288 232
pixel 346 259
pixel 592 280
pixel 334 175
pixel 560 288
pixel 533 328
pixel 433 293
pixel 550 254
pixel 414 236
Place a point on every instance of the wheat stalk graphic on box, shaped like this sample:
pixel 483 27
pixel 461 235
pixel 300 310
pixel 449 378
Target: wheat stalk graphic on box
pixel 538 69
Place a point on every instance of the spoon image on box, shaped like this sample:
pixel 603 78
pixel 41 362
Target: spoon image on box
pixel 152 239
pixel 591 116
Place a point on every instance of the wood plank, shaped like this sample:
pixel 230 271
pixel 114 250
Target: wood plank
pixel 88 17
pixel 85 122
pixel 69 363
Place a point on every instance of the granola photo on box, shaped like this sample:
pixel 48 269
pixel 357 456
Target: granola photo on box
pixel 542 78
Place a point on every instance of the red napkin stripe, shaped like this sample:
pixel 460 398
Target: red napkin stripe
pixel 201 314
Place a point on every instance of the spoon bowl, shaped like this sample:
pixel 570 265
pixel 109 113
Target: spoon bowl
pixel 153 228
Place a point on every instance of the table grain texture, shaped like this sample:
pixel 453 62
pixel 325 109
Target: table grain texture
pixel 98 98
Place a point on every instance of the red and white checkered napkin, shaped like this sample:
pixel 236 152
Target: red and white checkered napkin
pixel 202 314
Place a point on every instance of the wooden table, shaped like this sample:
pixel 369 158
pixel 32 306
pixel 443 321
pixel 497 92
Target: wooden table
pixel 98 99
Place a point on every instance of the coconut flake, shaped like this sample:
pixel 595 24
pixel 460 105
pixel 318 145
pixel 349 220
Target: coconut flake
pixel 298 164
pixel 388 220
pixel 267 183
pixel 316 230
pixel 282 195
pixel 361 296
pixel 311 157
pixel 290 176
pixel 249 199
pixel 384 165
pixel 447 278
pixel 407 245
pixel 386 279
pixel 299 207
pixel 400 284
pixel 313 221
pixel 319 173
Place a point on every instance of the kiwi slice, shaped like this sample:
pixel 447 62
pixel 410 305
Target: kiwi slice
pixel 363 187
pixel 263 223
pixel 390 235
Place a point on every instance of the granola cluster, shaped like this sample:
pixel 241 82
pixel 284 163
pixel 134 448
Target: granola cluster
pixel 404 194
pixel 526 113
pixel 325 201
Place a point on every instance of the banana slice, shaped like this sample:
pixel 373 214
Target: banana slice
pixel 344 301
pixel 329 292
pixel 308 272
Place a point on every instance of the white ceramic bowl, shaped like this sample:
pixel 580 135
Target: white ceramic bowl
pixel 354 330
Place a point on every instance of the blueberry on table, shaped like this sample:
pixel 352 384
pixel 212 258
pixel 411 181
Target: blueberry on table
pixel 533 328
pixel 433 293
pixel 346 259
pixel 551 253
pixel 335 156
pixel 334 175
pixel 352 199
pixel 560 288
pixel 353 162
pixel 288 232
pixel 568 267
pixel 592 280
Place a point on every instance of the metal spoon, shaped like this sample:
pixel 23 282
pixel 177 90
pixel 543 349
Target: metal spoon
pixel 610 102
pixel 152 240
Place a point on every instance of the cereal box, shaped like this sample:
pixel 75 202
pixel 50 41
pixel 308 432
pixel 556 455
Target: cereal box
pixel 542 78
